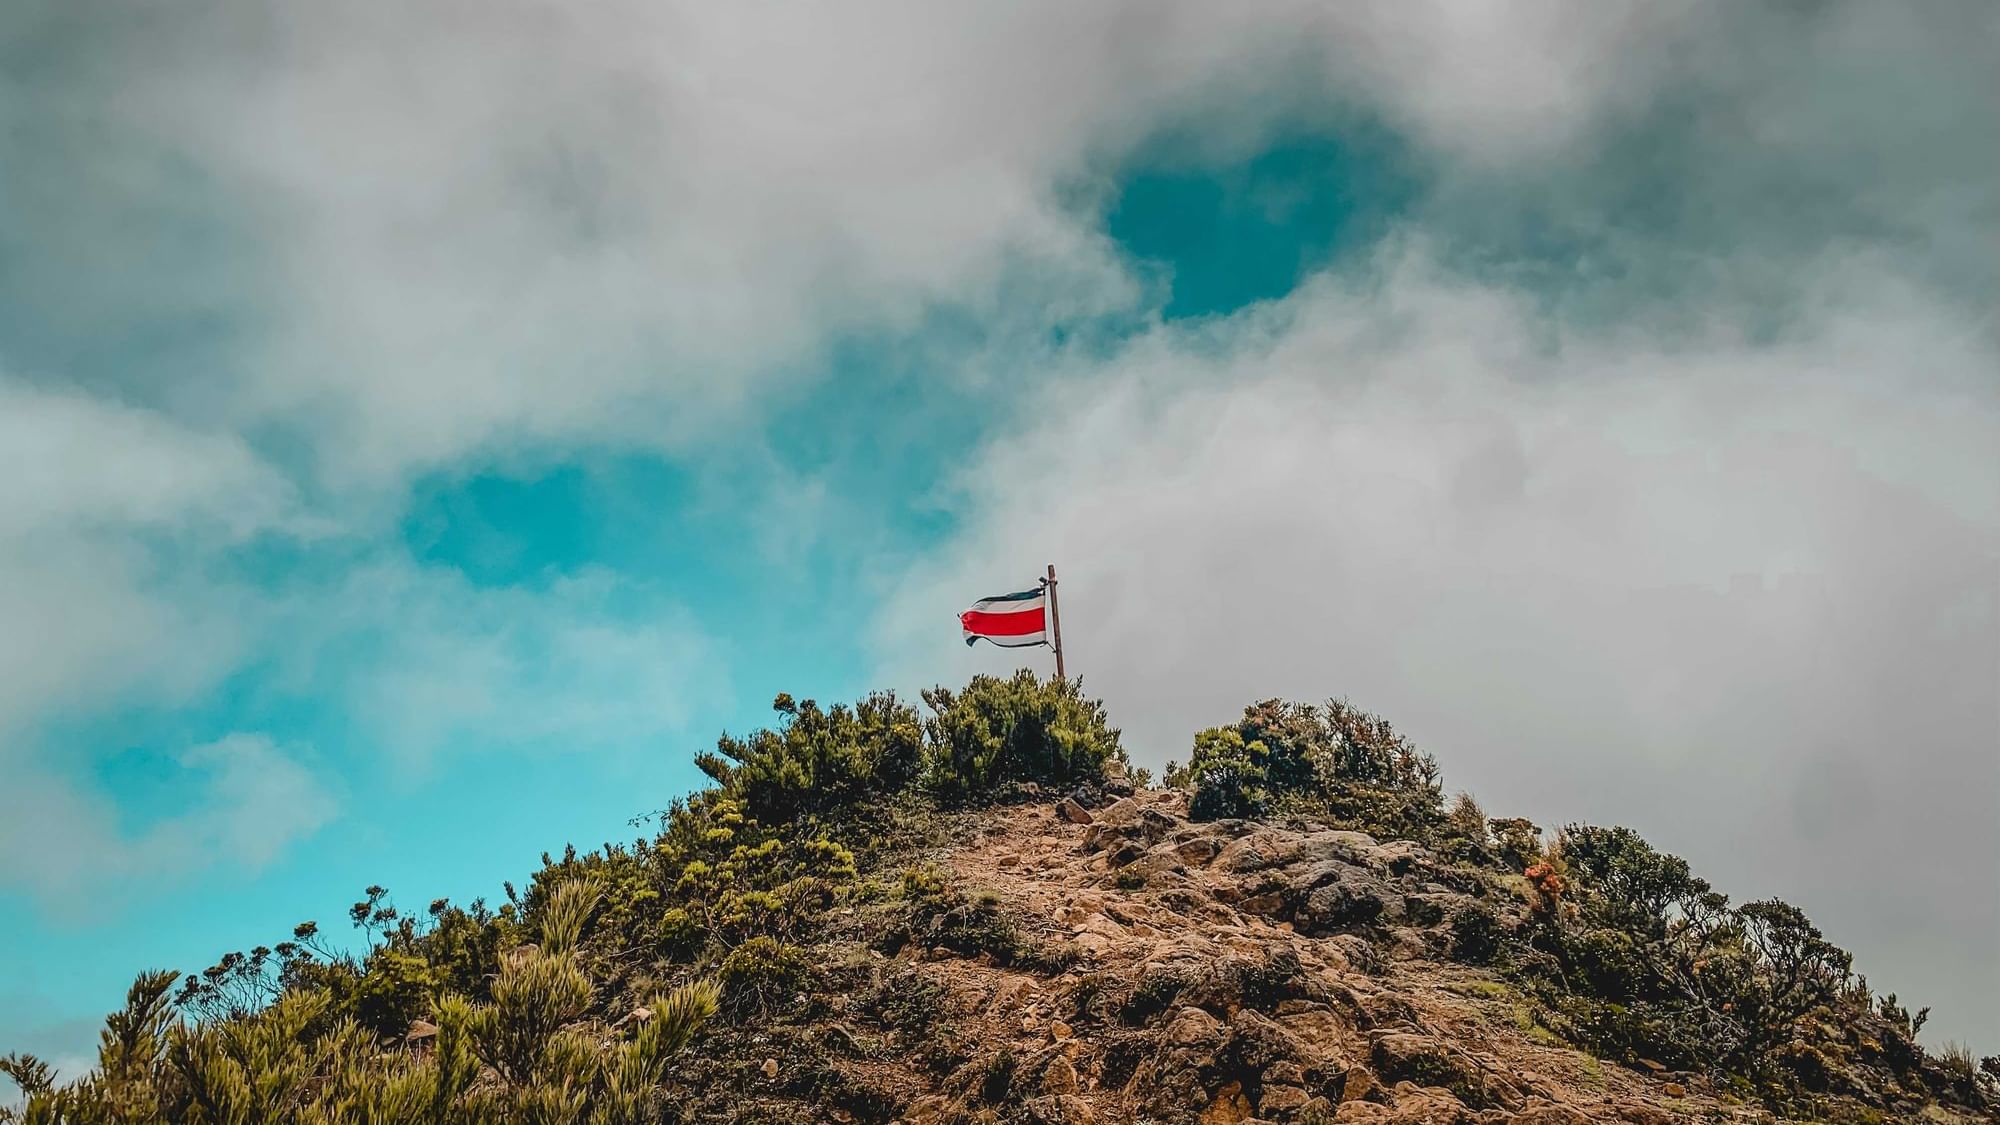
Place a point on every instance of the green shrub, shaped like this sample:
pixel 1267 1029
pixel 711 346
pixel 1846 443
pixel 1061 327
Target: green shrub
pixel 1332 761
pixel 1517 842
pixel 1653 963
pixel 927 888
pixel 996 1076
pixel 762 973
pixel 998 732
pixel 1476 934
pixel 820 762
pixel 396 986
pixel 286 1063
pixel 1624 884
pixel 1464 836
pixel 680 935
pixel 1227 775
pixel 1796 971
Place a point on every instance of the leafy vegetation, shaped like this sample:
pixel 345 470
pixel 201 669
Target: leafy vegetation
pixel 575 999
pixel 569 1001
pixel 1637 958
pixel 1655 963
pixel 997 733
pixel 1332 761
pixel 1631 954
pixel 529 1052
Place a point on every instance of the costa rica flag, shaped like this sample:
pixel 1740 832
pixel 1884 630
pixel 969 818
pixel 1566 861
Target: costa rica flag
pixel 1009 620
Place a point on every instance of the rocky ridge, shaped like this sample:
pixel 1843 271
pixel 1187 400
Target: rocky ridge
pixel 1213 973
pixel 1274 1001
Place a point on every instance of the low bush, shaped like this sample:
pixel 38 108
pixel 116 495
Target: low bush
pixel 761 974
pixel 1333 762
pixel 1476 934
pixel 820 762
pixel 1646 960
pixel 286 1063
pixel 996 732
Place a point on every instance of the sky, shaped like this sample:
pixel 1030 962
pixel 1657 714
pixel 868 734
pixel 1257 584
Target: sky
pixel 425 425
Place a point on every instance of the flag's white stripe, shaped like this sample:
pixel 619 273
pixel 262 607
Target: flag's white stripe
pixel 1031 605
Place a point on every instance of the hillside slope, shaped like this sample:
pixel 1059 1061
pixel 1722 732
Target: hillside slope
pixel 983 914
pixel 1224 972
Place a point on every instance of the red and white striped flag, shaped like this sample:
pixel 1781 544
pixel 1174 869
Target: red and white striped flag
pixel 1008 620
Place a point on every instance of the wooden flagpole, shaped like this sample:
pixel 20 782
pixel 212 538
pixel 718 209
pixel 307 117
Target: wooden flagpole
pixel 1055 620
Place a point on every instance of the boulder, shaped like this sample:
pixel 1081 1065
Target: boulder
pixel 1160 860
pixel 1410 1105
pixel 1197 851
pixel 1260 1042
pixel 1270 904
pixel 1643 1113
pixel 1262 848
pixel 1347 847
pixel 1546 1113
pixel 1060 1077
pixel 1131 851
pixel 1070 810
pixel 1281 1101
pixel 1408 1057
pixel 1194 1028
pixel 1120 814
pixel 1399 857
pixel 1284 1073
pixel 1349 901
pixel 1432 909
pixel 1230 1106
pixel 1154 825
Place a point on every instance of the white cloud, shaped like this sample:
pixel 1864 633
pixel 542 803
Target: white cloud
pixel 473 225
pixel 431 665
pixel 254 799
pixel 261 799
pixel 89 482
pixel 74 461
pixel 85 615
pixel 96 491
pixel 1739 593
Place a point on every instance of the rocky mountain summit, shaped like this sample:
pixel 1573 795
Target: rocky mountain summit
pixel 1224 972
pixel 986 916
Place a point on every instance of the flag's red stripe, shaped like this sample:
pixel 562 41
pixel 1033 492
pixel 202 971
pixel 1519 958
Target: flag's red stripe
pixel 1004 624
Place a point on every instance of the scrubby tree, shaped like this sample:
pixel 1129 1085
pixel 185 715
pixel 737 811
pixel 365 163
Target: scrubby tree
pixel 1229 776
pixel 288 1063
pixel 999 732
pixel 1626 885
pixel 1796 971
pixel 1332 761
pixel 816 761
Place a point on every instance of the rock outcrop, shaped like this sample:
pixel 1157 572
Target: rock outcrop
pixel 1215 973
